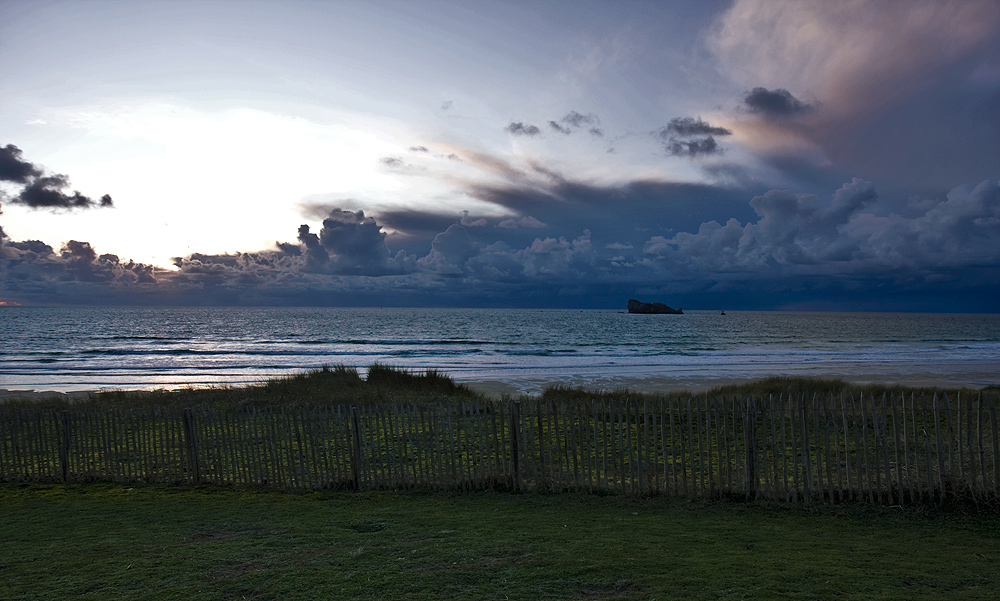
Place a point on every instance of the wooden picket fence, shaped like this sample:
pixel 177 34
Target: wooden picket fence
pixel 889 449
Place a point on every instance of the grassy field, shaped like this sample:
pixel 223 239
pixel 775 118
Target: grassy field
pixel 102 541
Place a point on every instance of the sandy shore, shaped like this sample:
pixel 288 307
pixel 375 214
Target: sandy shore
pixel 41 394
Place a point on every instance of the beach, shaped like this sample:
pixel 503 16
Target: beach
pixel 512 387
pixel 496 351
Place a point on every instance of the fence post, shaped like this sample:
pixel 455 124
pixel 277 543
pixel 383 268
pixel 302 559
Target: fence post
pixel 807 479
pixel 515 447
pixel 356 449
pixel 191 442
pixel 64 441
pixel 750 433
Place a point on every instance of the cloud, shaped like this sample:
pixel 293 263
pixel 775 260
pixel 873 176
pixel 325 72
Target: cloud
pixel 892 86
pixel 859 53
pixel 774 103
pixel 517 128
pixel 527 221
pixel 49 192
pixel 570 123
pixel 691 126
pixel 560 128
pixel 40 191
pixel 32 270
pixel 355 244
pixel 560 258
pixel 690 137
pixel 579 120
pixel 14 169
pixel 392 162
pixel 693 148
pixel 573 121
pixel 797 246
pixel 468 221
pixel 450 251
pixel 797 235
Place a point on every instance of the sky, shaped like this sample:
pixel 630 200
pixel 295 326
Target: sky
pixel 753 154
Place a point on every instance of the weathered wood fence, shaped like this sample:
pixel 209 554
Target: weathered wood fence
pixel 889 449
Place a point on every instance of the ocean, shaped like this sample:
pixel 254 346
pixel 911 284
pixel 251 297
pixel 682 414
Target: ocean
pixel 96 348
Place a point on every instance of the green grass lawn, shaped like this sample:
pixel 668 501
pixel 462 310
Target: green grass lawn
pixel 104 541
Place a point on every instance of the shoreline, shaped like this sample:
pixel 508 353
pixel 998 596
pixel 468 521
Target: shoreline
pixel 533 385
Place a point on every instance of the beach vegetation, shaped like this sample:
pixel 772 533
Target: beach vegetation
pixel 760 388
pixel 321 387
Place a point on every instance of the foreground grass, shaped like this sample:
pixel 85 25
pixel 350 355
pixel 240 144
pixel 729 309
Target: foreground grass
pixel 100 541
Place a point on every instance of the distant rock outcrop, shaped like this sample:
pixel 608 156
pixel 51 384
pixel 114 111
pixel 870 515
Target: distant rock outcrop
pixel 635 306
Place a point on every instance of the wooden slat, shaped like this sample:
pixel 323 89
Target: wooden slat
pixel 996 446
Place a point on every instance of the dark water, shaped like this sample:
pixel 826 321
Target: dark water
pixel 92 348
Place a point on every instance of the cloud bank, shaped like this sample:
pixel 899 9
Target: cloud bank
pixel 801 248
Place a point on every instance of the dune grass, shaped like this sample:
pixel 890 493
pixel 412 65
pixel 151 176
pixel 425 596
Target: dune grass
pixel 776 385
pixel 325 386
pixel 385 384
pixel 101 541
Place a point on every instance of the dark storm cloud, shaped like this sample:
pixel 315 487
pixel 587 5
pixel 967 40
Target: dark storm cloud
pixel 357 244
pixel 31 270
pixel 348 243
pixel 517 128
pixel 316 256
pixel 40 191
pixel 577 206
pixel 49 192
pixel 14 169
pixel 693 148
pixel 774 103
pixel 690 137
pixel 796 234
pixel 690 126
pixel 415 223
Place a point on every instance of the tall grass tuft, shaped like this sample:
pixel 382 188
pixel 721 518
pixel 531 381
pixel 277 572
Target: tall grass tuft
pixel 325 386
pixel 431 382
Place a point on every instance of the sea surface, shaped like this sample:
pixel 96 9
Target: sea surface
pixel 92 348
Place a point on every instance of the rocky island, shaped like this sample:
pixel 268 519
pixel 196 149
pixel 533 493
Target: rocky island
pixel 635 306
